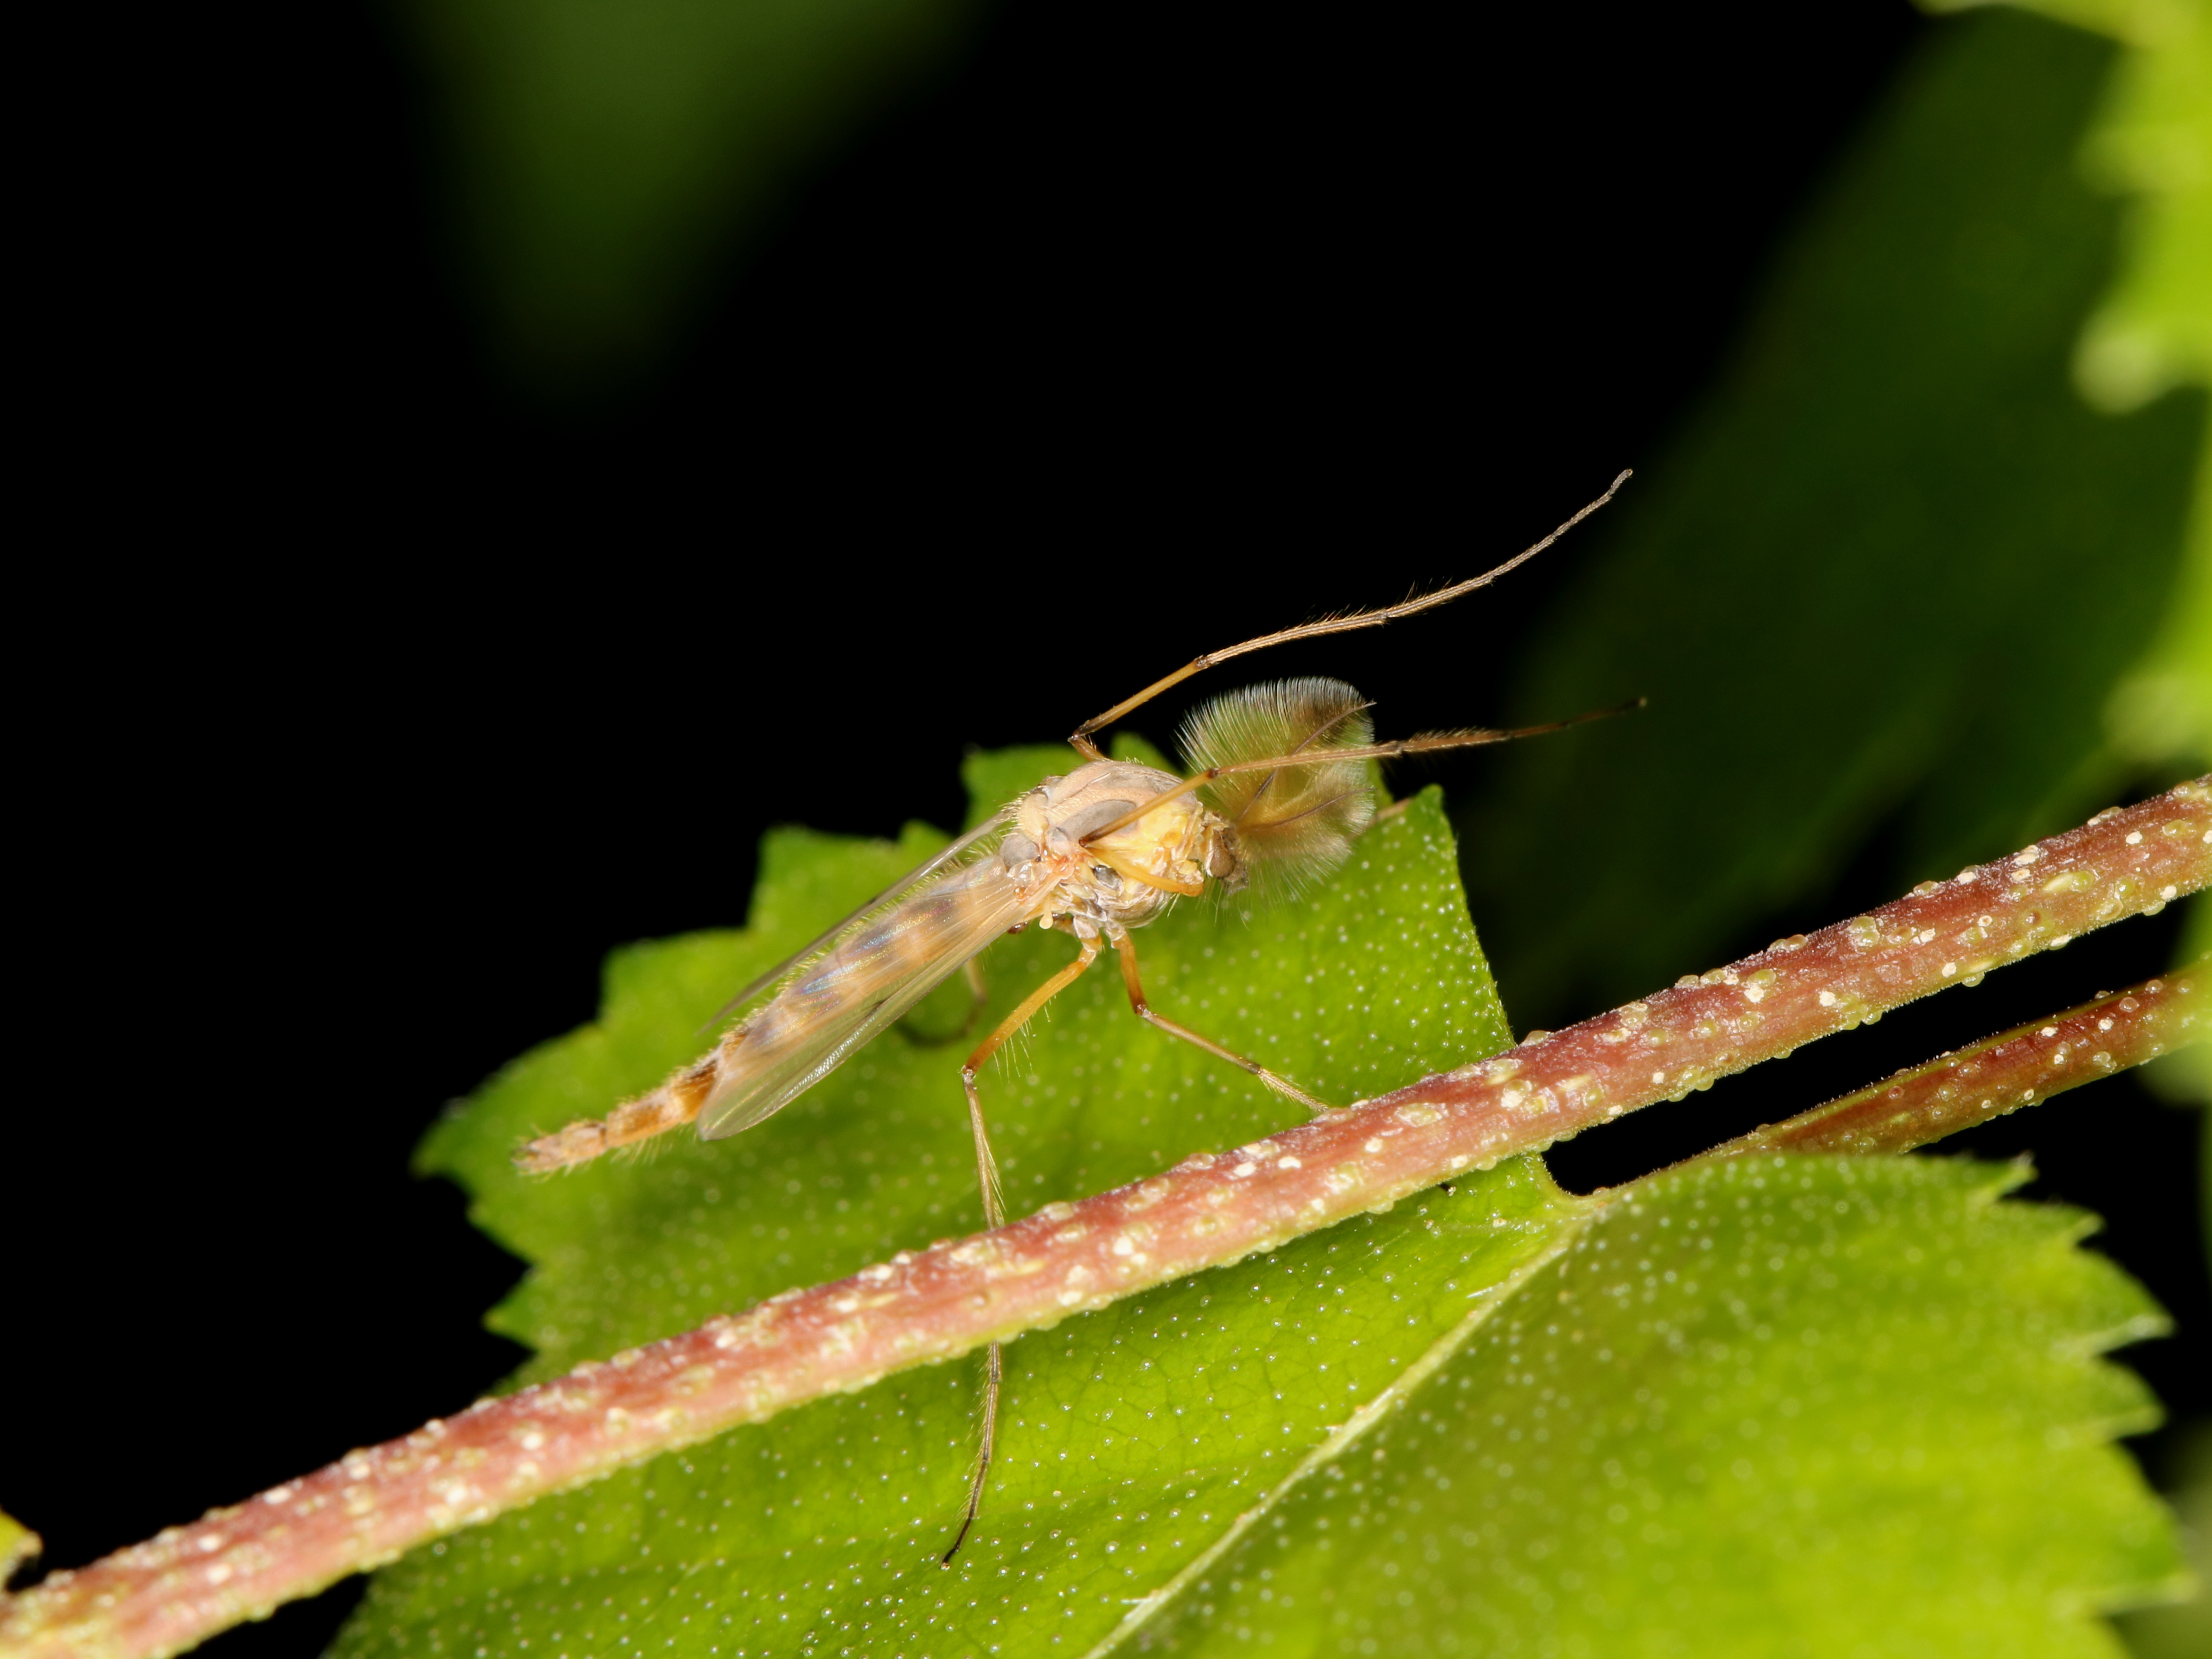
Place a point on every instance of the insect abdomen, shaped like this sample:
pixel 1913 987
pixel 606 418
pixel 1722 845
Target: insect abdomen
pixel 899 956
pixel 671 1106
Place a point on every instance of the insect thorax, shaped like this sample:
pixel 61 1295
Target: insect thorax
pixel 1125 878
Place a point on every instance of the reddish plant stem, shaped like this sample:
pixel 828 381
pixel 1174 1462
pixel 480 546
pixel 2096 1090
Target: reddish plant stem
pixel 167 1594
pixel 2023 1067
pixel 2121 863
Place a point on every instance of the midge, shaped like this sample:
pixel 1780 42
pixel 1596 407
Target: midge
pixel 1277 789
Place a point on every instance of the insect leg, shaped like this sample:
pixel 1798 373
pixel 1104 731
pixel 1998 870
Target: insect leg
pixel 987 1167
pixel 978 996
pixel 1344 625
pixel 995 1206
pixel 1127 952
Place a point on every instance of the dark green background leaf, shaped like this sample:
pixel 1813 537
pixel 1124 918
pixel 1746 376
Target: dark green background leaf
pixel 2184 1632
pixel 1894 566
pixel 610 152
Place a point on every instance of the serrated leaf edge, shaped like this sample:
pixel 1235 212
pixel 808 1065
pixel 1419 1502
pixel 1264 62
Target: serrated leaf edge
pixel 2004 1179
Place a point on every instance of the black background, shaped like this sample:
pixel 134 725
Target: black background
pixel 362 704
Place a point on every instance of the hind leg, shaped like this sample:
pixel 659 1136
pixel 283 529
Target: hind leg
pixel 994 1209
pixel 978 994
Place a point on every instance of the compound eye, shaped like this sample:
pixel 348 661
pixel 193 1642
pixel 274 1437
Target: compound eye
pixel 1224 860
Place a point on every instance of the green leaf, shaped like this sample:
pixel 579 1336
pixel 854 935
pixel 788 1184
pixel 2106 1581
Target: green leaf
pixel 1369 983
pixel 1894 567
pixel 1364 985
pixel 1156 1457
pixel 2152 328
pixel 2185 1631
pixel 1130 1439
pixel 611 151
pixel 1819 1405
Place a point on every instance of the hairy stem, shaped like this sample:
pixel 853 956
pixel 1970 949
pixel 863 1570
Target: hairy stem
pixel 174 1590
pixel 2023 1067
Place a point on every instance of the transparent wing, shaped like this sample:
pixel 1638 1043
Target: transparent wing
pixel 907 882
pixel 870 978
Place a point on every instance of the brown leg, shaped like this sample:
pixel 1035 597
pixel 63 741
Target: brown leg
pixel 1127 952
pixel 994 1206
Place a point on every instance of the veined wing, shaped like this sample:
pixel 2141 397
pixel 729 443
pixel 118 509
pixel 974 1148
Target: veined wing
pixel 870 977
pixel 906 882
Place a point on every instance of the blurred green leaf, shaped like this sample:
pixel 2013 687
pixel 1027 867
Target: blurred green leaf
pixel 608 154
pixel 2184 1632
pixel 1809 1406
pixel 1892 570
pixel 18 1544
pixel 2152 143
